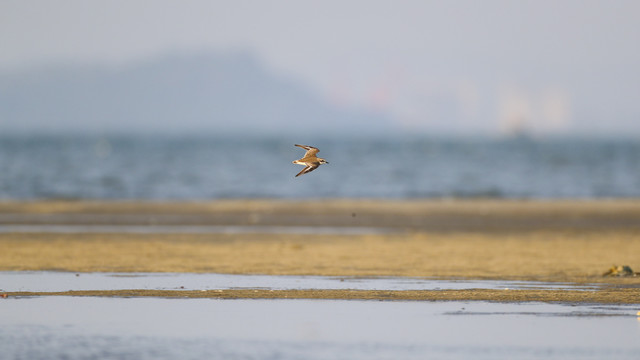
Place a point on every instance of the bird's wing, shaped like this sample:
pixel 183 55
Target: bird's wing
pixel 310 150
pixel 308 168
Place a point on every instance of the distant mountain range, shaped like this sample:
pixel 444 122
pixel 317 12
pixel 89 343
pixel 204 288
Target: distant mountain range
pixel 211 93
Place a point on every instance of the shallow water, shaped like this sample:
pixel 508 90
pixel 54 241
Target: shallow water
pixel 145 328
pixel 63 281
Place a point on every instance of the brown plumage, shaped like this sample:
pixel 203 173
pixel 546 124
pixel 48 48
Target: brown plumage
pixel 309 160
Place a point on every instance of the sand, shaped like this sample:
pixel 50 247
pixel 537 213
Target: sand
pixel 557 241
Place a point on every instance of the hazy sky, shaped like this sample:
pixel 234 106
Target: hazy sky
pixel 446 66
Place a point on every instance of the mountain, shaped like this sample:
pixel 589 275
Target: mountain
pixel 211 93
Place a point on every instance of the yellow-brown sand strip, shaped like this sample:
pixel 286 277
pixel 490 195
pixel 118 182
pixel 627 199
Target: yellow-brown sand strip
pixel 610 296
pixel 543 256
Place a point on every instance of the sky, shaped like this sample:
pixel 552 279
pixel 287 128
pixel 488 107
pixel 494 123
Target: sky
pixel 495 67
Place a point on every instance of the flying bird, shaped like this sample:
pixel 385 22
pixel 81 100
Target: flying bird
pixel 309 160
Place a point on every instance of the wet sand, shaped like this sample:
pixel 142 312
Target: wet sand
pixel 608 296
pixel 556 241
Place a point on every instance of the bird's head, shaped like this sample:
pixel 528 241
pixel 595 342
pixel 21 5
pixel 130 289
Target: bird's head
pixel 322 161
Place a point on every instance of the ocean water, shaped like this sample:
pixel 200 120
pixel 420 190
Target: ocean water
pixel 213 167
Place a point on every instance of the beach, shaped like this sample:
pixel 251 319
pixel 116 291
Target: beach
pixel 546 241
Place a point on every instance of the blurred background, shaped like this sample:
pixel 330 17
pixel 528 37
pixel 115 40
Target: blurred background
pixel 405 99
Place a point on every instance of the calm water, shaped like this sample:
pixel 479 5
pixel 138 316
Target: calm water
pixel 39 281
pixel 152 328
pixel 65 327
pixel 217 167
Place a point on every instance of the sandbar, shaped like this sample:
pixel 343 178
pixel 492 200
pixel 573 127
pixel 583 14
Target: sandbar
pixel 554 241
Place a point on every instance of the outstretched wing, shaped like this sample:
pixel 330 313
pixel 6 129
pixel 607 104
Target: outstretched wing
pixel 311 151
pixel 308 168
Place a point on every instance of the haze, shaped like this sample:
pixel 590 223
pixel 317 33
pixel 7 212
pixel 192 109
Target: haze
pixel 454 67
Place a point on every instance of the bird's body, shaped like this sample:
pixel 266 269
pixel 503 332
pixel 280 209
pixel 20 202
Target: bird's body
pixel 309 160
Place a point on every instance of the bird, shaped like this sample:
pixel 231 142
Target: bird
pixel 309 160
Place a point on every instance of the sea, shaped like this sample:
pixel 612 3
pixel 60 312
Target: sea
pixel 205 167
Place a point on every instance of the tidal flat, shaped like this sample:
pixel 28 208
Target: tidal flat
pixel 545 241
pixel 340 279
